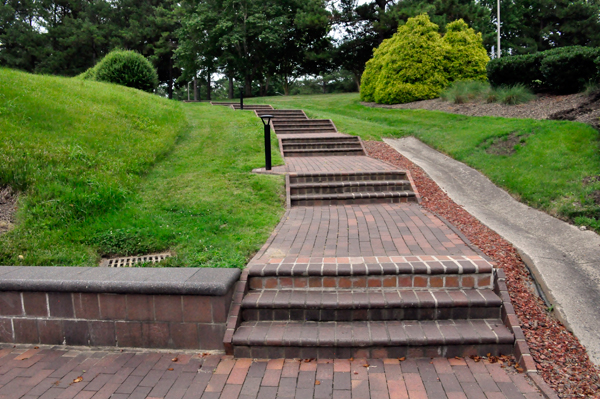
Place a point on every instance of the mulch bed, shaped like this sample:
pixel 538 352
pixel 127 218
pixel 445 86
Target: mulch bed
pixel 572 107
pixel 560 358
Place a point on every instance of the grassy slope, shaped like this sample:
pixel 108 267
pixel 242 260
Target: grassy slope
pixel 106 169
pixel 546 173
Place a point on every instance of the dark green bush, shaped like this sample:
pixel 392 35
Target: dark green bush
pixel 512 70
pixel 126 68
pixel 570 70
pixel 563 69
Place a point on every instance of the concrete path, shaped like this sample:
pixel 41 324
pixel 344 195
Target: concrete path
pixel 61 373
pixel 564 259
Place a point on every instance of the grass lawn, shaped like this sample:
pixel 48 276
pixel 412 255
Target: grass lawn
pixel 106 170
pixel 547 172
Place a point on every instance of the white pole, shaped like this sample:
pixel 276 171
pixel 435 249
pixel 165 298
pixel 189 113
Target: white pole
pixel 498 53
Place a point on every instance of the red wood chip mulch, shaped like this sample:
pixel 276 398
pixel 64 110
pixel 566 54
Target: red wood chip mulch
pixel 560 358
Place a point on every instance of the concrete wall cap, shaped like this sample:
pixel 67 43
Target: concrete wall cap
pixel 161 281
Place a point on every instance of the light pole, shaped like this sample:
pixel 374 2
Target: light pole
pixel 266 120
pixel 498 28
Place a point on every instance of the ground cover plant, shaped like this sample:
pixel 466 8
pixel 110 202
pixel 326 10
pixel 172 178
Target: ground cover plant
pixel 465 91
pixel 554 164
pixel 103 169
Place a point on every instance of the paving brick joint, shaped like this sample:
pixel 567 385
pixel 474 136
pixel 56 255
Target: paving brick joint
pixel 32 372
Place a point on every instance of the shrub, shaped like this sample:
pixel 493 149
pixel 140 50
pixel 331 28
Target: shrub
pixel 408 66
pixel 417 63
pixel 466 57
pixel 570 70
pixel 126 68
pixel 563 69
pixel 512 70
pixel 90 74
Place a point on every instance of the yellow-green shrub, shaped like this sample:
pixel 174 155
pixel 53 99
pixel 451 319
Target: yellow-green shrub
pixel 417 63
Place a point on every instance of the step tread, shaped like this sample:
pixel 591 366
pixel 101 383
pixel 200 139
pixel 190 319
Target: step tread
pixel 367 267
pixel 349 173
pixel 359 195
pixel 353 183
pixel 372 333
pixel 369 299
pixel 301 150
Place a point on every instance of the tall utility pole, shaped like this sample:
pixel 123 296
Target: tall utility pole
pixel 498 28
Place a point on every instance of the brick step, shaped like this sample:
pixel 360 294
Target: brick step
pixel 370 304
pixel 297 113
pixel 324 152
pixel 322 145
pixel 330 139
pixel 385 282
pixel 299 130
pixel 371 266
pixel 350 187
pixel 371 339
pixel 393 197
pixel 304 123
pixel 347 176
pixel 252 107
pixel 226 104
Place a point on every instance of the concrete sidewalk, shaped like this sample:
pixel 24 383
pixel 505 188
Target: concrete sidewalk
pixel 565 260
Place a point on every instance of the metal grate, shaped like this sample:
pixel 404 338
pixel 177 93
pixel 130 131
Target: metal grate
pixel 130 261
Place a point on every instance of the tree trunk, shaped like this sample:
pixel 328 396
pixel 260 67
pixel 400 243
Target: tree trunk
pixel 208 87
pixel 170 84
pixel 195 88
pixel 357 81
pixel 248 86
pixel 230 96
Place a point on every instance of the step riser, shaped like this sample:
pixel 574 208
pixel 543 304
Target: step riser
pixel 455 313
pixel 292 126
pixel 317 146
pixel 409 352
pixel 317 153
pixel 356 189
pixel 320 141
pixel 362 201
pixel 337 178
pixel 425 282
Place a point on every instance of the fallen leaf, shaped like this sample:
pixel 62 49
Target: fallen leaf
pixel 402 359
pixel 78 379
pixel 351 359
pixel 356 372
pixel 519 369
pixel 36 347
pixel 366 365
pixel 317 382
pixel 170 369
pixel 174 359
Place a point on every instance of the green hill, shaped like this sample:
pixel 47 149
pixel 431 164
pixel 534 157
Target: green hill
pixel 106 170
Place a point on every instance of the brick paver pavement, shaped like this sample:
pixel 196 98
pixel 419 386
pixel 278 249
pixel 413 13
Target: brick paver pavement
pixel 363 230
pixel 335 164
pixel 31 372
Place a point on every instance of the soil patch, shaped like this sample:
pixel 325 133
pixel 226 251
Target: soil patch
pixel 596 197
pixel 588 111
pixel 8 208
pixel 575 107
pixel 505 145
pixel 560 358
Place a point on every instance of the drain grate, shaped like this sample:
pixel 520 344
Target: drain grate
pixel 129 261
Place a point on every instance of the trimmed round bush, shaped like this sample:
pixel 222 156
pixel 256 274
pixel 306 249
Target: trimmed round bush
pixel 126 68
pixel 417 63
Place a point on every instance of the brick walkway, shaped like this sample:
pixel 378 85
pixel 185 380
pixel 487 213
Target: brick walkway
pixel 50 373
pixel 363 230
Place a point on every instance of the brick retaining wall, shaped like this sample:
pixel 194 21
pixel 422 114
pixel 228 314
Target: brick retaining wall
pixel 141 308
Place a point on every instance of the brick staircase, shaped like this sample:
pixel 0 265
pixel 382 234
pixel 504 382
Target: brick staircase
pixel 378 306
pixel 365 187
pixel 392 307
